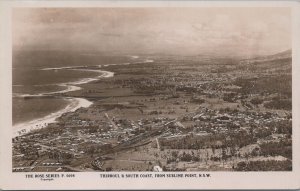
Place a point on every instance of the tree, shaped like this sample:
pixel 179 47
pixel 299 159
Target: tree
pixel 224 156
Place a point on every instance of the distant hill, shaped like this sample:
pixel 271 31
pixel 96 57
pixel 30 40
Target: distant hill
pixel 277 56
pixel 284 54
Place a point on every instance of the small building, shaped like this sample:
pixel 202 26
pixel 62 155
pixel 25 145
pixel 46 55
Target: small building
pixel 157 169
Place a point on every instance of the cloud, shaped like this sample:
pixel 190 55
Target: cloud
pixel 162 30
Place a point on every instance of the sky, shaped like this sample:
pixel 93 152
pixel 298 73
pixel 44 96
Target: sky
pixel 185 31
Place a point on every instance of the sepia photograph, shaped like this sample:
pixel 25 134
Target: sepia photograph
pixel 178 91
pixel 152 89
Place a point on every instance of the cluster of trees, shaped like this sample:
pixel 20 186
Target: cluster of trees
pixel 279 84
pixel 190 142
pixel 269 165
pixel 149 85
pixel 155 112
pixel 94 149
pixel 256 101
pixel 284 104
pixel 65 158
pixel 197 100
pixel 282 148
pixel 216 141
pixel 262 132
pixel 32 155
pixel 186 157
pixel 230 97
pixel 187 89
pixel 281 127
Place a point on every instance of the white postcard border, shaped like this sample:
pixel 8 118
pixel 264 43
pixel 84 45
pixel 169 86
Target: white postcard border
pixel 92 180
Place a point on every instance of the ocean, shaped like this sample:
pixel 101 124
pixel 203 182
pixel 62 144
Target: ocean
pixel 40 74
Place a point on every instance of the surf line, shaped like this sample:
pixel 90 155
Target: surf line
pixel 74 103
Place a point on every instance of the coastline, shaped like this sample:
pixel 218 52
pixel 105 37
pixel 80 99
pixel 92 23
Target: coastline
pixel 70 86
pixel 26 127
pixel 75 103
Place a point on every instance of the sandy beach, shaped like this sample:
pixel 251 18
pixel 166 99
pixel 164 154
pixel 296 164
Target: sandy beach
pixel 74 103
pixel 23 128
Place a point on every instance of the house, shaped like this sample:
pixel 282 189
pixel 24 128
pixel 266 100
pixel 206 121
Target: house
pixel 157 169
